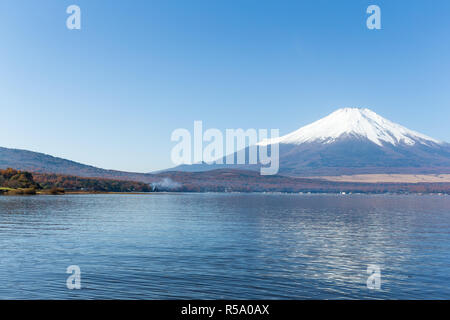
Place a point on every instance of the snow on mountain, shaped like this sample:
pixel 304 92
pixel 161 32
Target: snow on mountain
pixel 354 122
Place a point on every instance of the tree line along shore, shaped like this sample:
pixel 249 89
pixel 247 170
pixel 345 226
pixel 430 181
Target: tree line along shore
pixel 16 182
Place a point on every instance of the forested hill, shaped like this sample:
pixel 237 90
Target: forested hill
pixel 21 182
pixel 15 179
pixel 73 183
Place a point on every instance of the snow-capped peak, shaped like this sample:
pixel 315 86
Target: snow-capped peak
pixel 355 122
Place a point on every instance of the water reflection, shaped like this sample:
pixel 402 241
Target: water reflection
pixel 234 246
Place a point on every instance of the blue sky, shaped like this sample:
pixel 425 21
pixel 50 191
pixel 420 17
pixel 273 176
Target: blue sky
pixel 111 94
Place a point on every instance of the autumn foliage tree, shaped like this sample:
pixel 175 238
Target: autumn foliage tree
pixel 16 179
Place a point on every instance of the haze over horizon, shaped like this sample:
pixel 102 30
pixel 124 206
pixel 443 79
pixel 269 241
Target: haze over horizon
pixel 110 94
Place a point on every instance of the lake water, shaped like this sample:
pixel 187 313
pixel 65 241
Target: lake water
pixel 225 246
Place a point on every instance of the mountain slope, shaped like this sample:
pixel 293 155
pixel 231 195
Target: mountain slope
pixel 43 163
pixel 353 155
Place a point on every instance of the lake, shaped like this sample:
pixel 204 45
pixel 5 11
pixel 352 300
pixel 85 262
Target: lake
pixel 225 246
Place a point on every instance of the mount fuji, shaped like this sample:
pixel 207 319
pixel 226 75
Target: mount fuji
pixel 353 141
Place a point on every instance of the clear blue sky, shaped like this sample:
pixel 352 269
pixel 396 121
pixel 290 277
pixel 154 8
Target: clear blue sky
pixel 111 94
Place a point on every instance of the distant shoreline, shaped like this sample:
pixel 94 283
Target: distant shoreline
pixel 388 178
pixel 306 193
